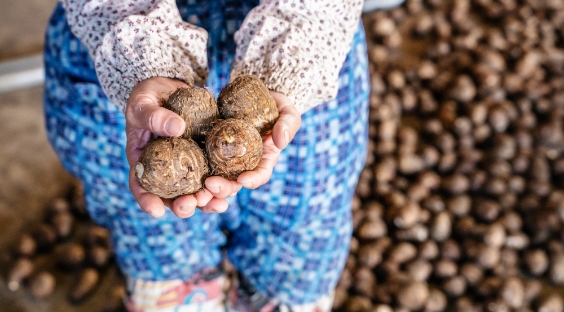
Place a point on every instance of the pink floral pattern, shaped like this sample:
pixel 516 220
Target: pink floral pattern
pixel 296 47
pixel 194 295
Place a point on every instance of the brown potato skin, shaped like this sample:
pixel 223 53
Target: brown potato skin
pixel 247 98
pixel 233 146
pixel 42 285
pixel 170 167
pixel 84 284
pixel 198 108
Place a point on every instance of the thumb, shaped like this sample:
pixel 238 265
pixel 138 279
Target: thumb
pixel 146 114
pixel 288 123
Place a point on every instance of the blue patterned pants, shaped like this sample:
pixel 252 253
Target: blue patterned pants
pixel 289 238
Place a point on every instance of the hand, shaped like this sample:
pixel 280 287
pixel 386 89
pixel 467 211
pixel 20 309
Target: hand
pixel 144 117
pixel 284 130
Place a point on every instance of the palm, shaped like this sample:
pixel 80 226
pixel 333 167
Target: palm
pixel 145 118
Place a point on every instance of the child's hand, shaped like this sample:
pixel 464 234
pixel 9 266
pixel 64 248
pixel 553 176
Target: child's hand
pixel 145 117
pixel 288 124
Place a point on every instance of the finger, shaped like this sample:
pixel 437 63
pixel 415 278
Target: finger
pixel 184 206
pixel 136 140
pixel 287 125
pixel 145 113
pixel 148 202
pixel 258 176
pixel 218 205
pixel 203 197
pixel 168 202
pixel 221 187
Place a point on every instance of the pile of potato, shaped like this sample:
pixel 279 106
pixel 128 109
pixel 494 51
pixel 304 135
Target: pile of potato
pixel 64 245
pixel 461 204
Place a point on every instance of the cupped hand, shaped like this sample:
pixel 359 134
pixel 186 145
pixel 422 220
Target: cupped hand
pixel 144 118
pixel 284 130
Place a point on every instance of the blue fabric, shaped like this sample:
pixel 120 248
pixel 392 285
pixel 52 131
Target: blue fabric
pixel 289 238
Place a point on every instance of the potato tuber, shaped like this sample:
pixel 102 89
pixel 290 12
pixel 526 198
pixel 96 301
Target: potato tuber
pixel 25 246
pixel 197 107
pixel 233 146
pixel 70 256
pixel 248 98
pixel 84 284
pixel 170 167
pixel 21 270
pixel 98 256
pixel 42 285
pixel 63 222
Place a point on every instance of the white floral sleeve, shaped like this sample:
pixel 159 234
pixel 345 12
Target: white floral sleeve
pixel 130 41
pixel 297 47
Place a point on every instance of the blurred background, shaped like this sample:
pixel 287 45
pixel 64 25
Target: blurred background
pixel 23 23
pixel 460 206
pixel 32 180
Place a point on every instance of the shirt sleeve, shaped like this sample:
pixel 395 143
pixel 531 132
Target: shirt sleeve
pixel 131 40
pixel 297 47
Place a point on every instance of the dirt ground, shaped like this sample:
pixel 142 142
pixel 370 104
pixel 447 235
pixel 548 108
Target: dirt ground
pixel 22 25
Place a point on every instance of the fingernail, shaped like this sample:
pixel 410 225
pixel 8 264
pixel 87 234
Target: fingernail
pixel 184 209
pixel 286 137
pixel 247 184
pixel 173 127
pixel 216 210
pixel 152 213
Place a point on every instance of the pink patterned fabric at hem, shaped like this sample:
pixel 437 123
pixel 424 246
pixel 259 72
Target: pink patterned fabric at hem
pixel 196 295
pixel 242 297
